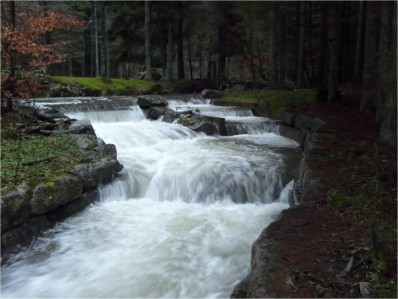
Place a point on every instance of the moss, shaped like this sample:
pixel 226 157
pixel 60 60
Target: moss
pixel 275 99
pixel 102 86
pixel 61 150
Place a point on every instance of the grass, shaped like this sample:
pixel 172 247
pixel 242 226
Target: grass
pixel 275 99
pixel 62 150
pixel 102 86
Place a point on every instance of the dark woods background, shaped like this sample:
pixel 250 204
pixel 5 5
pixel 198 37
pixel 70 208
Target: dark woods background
pixel 263 44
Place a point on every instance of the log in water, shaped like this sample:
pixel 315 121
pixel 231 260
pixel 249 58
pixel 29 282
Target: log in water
pixel 178 222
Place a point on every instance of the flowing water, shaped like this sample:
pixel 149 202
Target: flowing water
pixel 178 221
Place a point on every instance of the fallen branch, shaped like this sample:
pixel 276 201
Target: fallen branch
pixel 29 163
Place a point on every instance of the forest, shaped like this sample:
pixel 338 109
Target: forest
pixel 305 90
pixel 277 45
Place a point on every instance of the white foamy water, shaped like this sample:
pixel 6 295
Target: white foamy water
pixel 179 221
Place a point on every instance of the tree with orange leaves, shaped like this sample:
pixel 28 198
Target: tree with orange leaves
pixel 24 48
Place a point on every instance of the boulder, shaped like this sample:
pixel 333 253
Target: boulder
pixel 100 172
pixel 205 127
pixel 240 290
pixel 40 127
pixel 85 141
pixel 156 112
pixel 170 115
pixel 48 196
pixel 73 207
pixel 15 207
pixel 24 234
pixel 107 151
pixel 211 94
pixel 49 114
pixel 145 102
pixel 81 127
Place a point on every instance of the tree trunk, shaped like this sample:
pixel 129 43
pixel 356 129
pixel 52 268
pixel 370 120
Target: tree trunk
pixel 387 101
pixel 70 67
pixel 163 49
pixel 13 62
pixel 148 66
pixel 370 65
pixel 189 51
pixel 300 67
pixel 221 53
pixel 334 45
pixel 106 43
pixel 310 54
pixel 321 63
pixel 180 44
pixel 273 76
pixel 282 60
pixel 359 45
pixel 96 40
pixel 252 58
pixel 170 53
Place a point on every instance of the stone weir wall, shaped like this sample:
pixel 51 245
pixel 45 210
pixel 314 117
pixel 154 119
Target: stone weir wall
pixel 26 212
pixel 307 132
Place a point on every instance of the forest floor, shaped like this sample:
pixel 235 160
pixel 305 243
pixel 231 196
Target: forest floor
pixel 342 242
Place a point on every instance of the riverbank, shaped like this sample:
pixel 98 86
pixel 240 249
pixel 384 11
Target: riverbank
pixel 351 217
pixel 341 242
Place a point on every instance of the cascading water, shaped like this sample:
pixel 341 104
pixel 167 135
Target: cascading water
pixel 178 222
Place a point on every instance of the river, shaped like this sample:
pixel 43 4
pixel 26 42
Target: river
pixel 178 221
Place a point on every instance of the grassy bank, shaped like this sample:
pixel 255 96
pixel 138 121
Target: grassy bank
pixel 101 86
pixel 41 158
pixel 275 99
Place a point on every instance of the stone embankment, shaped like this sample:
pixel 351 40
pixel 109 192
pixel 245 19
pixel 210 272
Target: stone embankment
pixel 265 266
pixel 27 211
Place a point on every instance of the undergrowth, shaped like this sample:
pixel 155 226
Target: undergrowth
pixel 275 99
pixel 58 153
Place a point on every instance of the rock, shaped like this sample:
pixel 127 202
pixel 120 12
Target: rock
pixel 211 94
pixel 288 118
pixel 50 114
pixel 81 127
pixel 73 207
pixel 170 115
pixel 240 290
pixel 40 127
pixel 92 174
pixel 51 195
pixel 64 91
pixel 107 151
pixel 25 233
pixel 15 207
pixel 85 141
pixel 155 112
pixel 205 127
pixel 145 102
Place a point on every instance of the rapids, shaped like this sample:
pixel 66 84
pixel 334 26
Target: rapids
pixel 179 220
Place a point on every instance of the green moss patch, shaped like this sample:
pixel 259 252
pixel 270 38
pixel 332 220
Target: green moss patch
pixel 41 159
pixel 275 99
pixel 101 86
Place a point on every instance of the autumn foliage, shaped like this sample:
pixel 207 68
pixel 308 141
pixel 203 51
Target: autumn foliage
pixel 24 46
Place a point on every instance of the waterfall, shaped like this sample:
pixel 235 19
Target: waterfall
pixel 179 220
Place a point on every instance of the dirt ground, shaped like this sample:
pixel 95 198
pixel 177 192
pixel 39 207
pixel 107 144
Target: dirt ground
pixel 342 242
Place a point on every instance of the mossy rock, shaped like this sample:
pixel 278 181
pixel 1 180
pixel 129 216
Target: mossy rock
pixel 15 207
pixel 50 195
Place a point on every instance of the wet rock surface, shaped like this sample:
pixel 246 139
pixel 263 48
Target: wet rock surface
pixel 206 124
